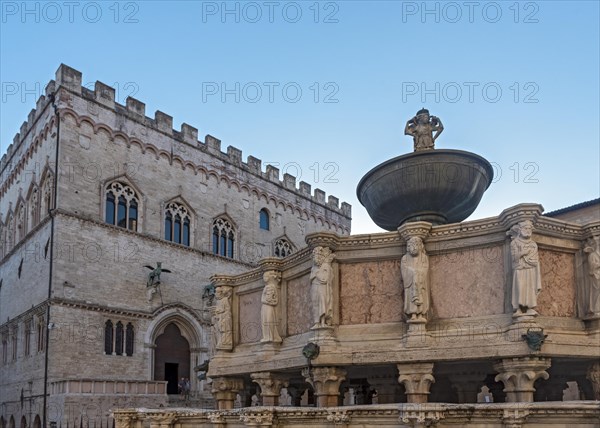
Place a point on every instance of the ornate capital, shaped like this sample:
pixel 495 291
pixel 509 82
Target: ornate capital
pixel 419 229
pixel 519 374
pixel 416 378
pixel 270 263
pixel 270 383
pixel 323 239
pixel 513 215
pixel 326 383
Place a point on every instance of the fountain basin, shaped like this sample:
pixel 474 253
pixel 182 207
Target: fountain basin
pixel 439 186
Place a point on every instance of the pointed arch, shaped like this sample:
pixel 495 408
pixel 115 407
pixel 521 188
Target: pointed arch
pixel 283 247
pixel 122 203
pixel 33 205
pixel 224 236
pixel 179 219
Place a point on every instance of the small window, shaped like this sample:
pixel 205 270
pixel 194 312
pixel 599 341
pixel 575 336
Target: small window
pixel 119 338
pixel 108 337
pixel 129 340
pixel 264 219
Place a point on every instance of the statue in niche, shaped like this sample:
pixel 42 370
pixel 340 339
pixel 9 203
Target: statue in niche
pixel 422 128
pixel 268 311
pixel 592 248
pixel 222 318
pixel 527 279
pixel 321 283
pixel 414 267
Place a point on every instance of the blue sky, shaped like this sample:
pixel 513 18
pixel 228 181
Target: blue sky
pixel 324 88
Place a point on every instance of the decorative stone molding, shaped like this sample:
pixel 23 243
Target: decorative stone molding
pixel 259 418
pixel 519 375
pixel 418 229
pixel 416 378
pixel 323 239
pixel 224 389
pixel 326 383
pixel 270 386
pixel 420 417
pixel 338 417
pixel 162 420
pixel 593 374
pixel 514 215
pixel 515 418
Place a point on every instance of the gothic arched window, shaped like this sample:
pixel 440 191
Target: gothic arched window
pixel 177 224
pixel 47 195
pixel 121 208
pixel 33 208
pixel 283 248
pixel 223 236
pixel 129 340
pixel 108 337
pixel 119 338
pixel 21 223
pixel 263 219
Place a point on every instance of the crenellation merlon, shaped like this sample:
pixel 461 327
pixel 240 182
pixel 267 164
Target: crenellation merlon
pixel 254 165
pixel 69 78
pixel 136 107
pixel 272 174
pixel 163 121
pixel 347 209
pixel 289 181
pixel 104 94
pixel 319 196
pixel 31 118
pixel 213 145
pixel 235 155
pixel 189 134
pixel 305 188
pixel 23 129
pixel 333 202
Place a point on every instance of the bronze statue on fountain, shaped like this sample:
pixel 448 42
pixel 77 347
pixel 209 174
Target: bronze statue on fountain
pixel 435 185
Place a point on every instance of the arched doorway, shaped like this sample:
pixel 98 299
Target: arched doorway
pixel 37 422
pixel 11 422
pixel 171 357
pixel 23 422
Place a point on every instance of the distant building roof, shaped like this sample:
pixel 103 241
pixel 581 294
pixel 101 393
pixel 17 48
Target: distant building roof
pixel 573 208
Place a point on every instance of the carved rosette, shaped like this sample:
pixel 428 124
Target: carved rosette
pixel 593 374
pixel 270 386
pixel 417 379
pixel 326 383
pixel 518 376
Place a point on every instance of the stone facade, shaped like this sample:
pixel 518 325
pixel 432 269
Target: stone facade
pixel 82 331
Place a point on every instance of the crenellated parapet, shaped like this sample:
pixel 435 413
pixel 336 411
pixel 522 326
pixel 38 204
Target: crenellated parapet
pixel 103 96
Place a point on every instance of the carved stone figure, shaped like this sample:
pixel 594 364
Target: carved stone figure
pixel 268 312
pixel 527 279
pixel 592 248
pixel 421 128
pixel 321 283
pixel 415 276
pixel 222 319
